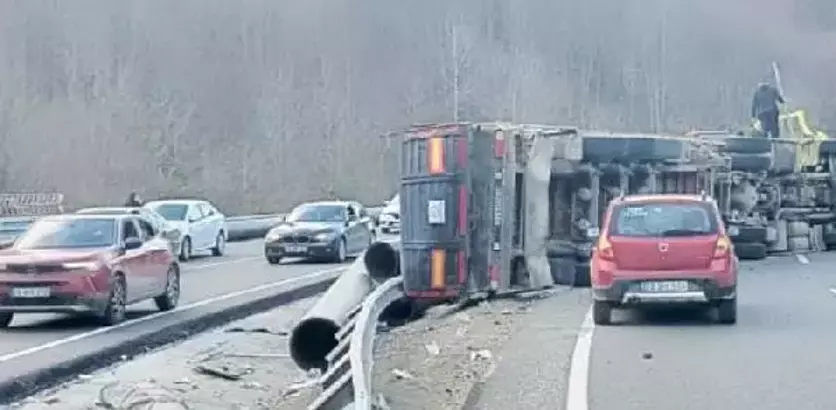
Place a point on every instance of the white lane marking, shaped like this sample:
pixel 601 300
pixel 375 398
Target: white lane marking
pixel 204 302
pixel 578 391
pixel 187 267
pixel 802 259
pixel 833 291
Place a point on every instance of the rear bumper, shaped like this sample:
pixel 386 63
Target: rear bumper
pixel 700 291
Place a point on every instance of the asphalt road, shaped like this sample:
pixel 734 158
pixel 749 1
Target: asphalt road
pixel 780 355
pixel 37 340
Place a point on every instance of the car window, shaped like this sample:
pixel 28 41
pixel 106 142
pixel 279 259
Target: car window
pixel 147 228
pixel 129 229
pixel 172 212
pixel 318 213
pixel 59 233
pixel 194 213
pixel 664 220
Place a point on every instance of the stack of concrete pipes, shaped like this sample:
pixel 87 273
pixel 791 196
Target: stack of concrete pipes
pixel 316 334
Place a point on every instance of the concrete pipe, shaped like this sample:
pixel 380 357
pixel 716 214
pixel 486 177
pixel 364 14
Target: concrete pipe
pixel 382 261
pixel 315 335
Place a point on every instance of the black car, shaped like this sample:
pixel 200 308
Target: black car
pixel 332 231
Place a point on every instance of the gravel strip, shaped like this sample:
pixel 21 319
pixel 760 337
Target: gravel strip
pixel 242 366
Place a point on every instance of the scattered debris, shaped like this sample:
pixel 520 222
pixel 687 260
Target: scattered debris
pixel 259 355
pixel 297 387
pixel 402 374
pixel 257 330
pixel 223 372
pixel 483 354
pixel 647 355
pixel 432 348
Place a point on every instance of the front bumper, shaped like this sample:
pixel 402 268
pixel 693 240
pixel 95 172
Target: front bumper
pixel 300 250
pixel 699 291
pixel 60 292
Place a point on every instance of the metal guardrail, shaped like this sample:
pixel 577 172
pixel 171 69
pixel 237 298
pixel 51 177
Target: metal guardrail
pixel 347 384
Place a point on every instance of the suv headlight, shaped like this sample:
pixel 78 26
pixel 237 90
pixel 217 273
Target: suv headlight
pixel 323 237
pixel 88 266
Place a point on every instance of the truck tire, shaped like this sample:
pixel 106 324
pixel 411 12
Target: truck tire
pixel 610 148
pixel 751 162
pixel 750 250
pixel 582 275
pixel 749 234
pixel 827 148
pixel 563 270
pixel 799 243
pixel 798 229
pixel 748 145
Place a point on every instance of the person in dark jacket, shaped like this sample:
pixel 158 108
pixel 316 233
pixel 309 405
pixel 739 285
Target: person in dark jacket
pixel 133 200
pixel 765 109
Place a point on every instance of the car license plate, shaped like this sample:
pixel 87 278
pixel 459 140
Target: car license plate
pixel 39 292
pixel 296 249
pixel 673 286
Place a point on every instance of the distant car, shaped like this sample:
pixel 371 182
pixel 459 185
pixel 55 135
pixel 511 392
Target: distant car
pixel 87 264
pixel 164 228
pixel 663 250
pixel 390 216
pixel 329 230
pixel 202 227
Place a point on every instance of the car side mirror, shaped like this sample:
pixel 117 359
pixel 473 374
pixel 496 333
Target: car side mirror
pixel 132 242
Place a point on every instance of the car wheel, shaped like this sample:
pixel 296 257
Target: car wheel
pixel 274 260
pixel 341 253
pixel 727 311
pixel 168 300
pixel 220 245
pixel 6 319
pixel 186 249
pixel 114 312
pixel 601 313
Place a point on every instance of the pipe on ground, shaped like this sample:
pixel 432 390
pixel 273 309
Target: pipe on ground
pixel 315 335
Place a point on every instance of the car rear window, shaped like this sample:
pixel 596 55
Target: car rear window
pixel 664 219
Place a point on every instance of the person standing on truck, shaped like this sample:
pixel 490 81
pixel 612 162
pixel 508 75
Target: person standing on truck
pixel 765 109
pixel 133 200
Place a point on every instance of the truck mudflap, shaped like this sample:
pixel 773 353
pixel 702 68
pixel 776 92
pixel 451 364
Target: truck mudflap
pixel 536 232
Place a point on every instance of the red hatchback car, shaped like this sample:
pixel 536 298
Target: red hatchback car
pixel 87 264
pixel 663 250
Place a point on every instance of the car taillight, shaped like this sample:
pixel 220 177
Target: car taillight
pixel 722 248
pixel 604 249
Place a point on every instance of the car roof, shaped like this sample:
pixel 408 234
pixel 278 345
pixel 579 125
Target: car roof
pixel 661 198
pixel 86 216
pixel 343 203
pixel 177 202
pixel 125 209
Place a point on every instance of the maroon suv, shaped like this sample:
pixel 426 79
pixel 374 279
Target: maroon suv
pixel 87 264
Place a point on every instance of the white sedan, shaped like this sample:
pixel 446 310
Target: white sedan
pixel 202 227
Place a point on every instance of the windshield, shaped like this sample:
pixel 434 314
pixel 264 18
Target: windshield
pixel 318 213
pixel 172 212
pixel 69 233
pixel 664 220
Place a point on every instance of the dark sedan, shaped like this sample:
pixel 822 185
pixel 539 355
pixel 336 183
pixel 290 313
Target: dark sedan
pixel 332 231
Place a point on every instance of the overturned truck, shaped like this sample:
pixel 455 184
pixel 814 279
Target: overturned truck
pixel 494 207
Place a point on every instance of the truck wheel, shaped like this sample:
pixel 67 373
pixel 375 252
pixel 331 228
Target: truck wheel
pixel 751 162
pixel 750 250
pixel 562 270
pixel 727 311
pixel 748 145
pixel 582 275
pixel 749 234
pixel 601 313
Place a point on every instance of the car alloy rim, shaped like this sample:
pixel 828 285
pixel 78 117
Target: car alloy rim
pixel 172 285
pixel 117 300
pixel 221 242
pixel 342 250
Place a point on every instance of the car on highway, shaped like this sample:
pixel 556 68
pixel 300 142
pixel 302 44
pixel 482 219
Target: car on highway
pixel 663 250
pixel 11 228
pixel 201 225
pixel 168 231
pixel 88 265
pixel 390 216
pixel 325 230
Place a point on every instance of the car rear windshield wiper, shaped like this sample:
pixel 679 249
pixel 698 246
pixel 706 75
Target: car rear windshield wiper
pixel 684 232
